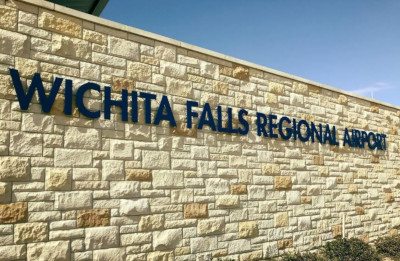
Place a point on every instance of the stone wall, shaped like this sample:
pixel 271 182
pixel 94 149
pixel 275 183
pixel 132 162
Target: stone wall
pixel 77 188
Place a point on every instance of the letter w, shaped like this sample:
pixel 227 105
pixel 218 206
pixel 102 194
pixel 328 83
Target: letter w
pixel 25 99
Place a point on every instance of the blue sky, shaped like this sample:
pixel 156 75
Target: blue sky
pixel 351 45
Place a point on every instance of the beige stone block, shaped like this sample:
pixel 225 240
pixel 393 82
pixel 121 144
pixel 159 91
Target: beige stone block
pixel 158 256
pixel 271 99
pixel 14 43
pixel 138 174
pixel 14 168
pixel 8 17
pixel 220 253
pixel 71 47
pixel 209 70
pixel 227 201
pixel 172 69
pixel 37 123
pixel 27 18
pixel 248 229
pixel 123 48
pixel 374 108
pixel 25 144
pixel 301 88
pixel 124 189
pixel 72 158
pixel 226 70
pixel 211 226
pixel 252 256
pixel 58 178
pixel 271 169
pixel 179 87
pixel 336 231
pixel 182 130
pixel 90 71
pixel 318 160
pixel 121 149
pixel 167 179
pixel 360 210
pixel 54 250
pixel 389 197
pixel 139 71
pixel 243 100
pixel 281 219
pixel 112 170
pixel 86 174
pixel 30 232
pixel 167 239
pixel 26 67
pixel 203 244
pixel 342 99
pixel 128 207
pixel 156 160
pixel 111 61
pixel 306 200
pixel 150 60
pixel 93 218
pixel 94 37
pixel 241 72
pixel 60 23
pixel 114 254
pixel 101 237
pixel 5 192
pixel 12 252
pixel 282 182
pixel 285 243
pixel 198 79
pixel 220 87
pixel 237 189
pixel 195 210
pixel 13 213
pixel 276 88
pixel 150 223
pixel 73 200
pixel 165 52
pixel 353 188
pixel 122 84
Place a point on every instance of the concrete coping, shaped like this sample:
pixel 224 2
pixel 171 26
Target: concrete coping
pixel 157 37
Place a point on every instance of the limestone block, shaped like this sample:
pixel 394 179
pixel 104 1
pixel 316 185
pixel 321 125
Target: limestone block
pixel 73 200
pixel 293 197
pixel 360 210
pixel 167 239
pixel 281 219
pixel 165 52
pixel 5 192
pixel 179 87
pixel 271 169
pixel 342 99
pixel 60 23
pixel 353 188
pixel 138 174
pixel 94 37
pixel 93 218
pixel 53 250
pixel 256 192
pixel 129 207
pixel 299 87
pixel 157 256
pixel 304 223
pixel 211 226
pixel 182 196
pixel 112 170
pixel 217 186
pixel 150 223
pixel 121 149
pixel 297 164
pixel 296 99
pixel 271 99
pixel 202 244
pixel 101 237
pixel 209 70
pixel 189 61
pixel 195 210
pixel 276 88
pixel 8 17
pixel 14 169
pixel 172 69
pixel 30 232
pixel 123 48
pixel 156 160
pixel 25 144
pixel 14 43
pixel 238 189
pixel 248 229
pixel 389 197
pixel 122 84
pixel 71 47
pixel 270 249
pixel 336 231
pixel 139 71
pixel 12 252
pixel 90 71
pixel 167 179
pixel 112 61
pixel 13 213
pixel 82 138
pixel 282 182
pixel 240 72
pixel 37 123
pixel 86 174
pixel 58 178
pixel 122 189
pixel 26 67
pixel 72 158
pixel 114 254
pixel 285 243
pixel 252 256
pixel 239 246
pixel 227 201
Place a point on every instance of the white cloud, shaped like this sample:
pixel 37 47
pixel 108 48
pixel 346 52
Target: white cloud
pixel 373 88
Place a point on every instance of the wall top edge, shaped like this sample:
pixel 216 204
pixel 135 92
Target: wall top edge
pixel 157 37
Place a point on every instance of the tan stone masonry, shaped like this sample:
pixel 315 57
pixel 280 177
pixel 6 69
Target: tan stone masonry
pixel 74 188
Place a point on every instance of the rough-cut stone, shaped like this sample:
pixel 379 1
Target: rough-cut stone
pixel 270 249
pixel 53 250
pixel 353 188
pixel 114 254
pixel 122 84
pixel 8 17
pixel 14 168
pixel 276 88
pixel 149 223
pixel 220 87
pixel 167 179
pixel 26 67
pixel 227 201
pixel 248 229
pixel 209 70
pixel 86 174
pixel 285 243
pixel 123 48
pixel 179 87
pixel 73 200
pixel 271 169
pixel 5 192
pixel 58 178
pixel 336 231
pixel 12 252
pixel 167 239
pixel 241 72
pixel 138 174
pixel 82 138
pixel 129 207
pixel 90 71
pixel 94 37
pixel 160 256
pixel 304 223
pixel 25 144
pixel 202 244
pixel 37 123
pixel 210 226
pixel 217 186
pixel 237 189
pixel 121 149
pixel 281 219
pixel 195 210
pixel 165 52
pixel 101 237
pixel 389 197
pixel 172 69
pixel 112 170
pixel 239 246
pixel 60 23
pixel 156 160
pixel 271 99
pixel 72 158
pixel 122 189
pixel 139 71
pixel 14 43
pixel 13 212
pixel 93 218
pixel 71 47
pixel 30 232
pixel 282 182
